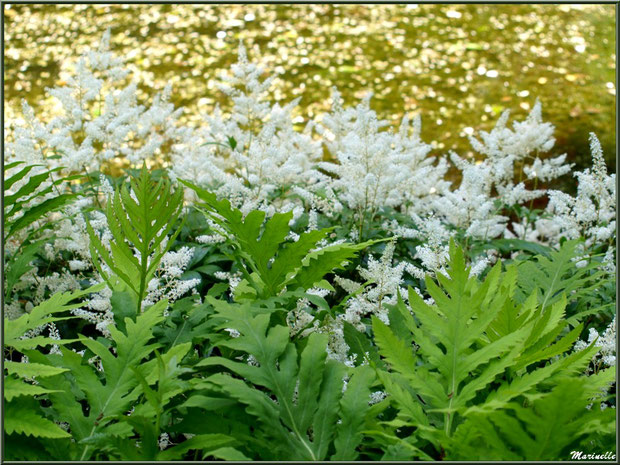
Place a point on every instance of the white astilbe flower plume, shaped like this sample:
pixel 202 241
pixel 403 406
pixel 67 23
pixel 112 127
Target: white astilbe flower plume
pixel 167 283
pixel 471 207
pixel 606 342
pixel 592 212
pixel 252 153
pixel 518 149
pixel 385 280
pixel 99 119
pixel 374 167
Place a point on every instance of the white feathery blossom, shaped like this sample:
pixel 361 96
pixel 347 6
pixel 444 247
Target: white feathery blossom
pixel 233 279
pixel 471 206
pixel 254 152
pixel 164 441
pixel 337 348
pixel 482 262
pixel 100 119
pixel 434 251
pixel 606 342
pixel 385 279
pixel 167 284
pixel 508 150
pixel 592 212
pixel 377 168
pixel 300 320
pixel 376 397
pixel 526 137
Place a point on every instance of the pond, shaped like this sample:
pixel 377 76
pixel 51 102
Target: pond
pixel 459 66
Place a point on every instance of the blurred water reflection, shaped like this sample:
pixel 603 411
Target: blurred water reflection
pixel 457 65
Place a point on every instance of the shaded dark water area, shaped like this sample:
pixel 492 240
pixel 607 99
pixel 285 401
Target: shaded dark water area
pixel 459 66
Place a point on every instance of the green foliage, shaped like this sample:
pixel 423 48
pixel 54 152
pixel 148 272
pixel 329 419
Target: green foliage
pixel 155 412
pixel 511 245
pixel 187 321
pixel 39 316
pixel 551 427
pixel 22 414
pixel 106 394
pixel 269 262
pixel 557 274
pixel 295 402
pixel 21 418
pixel 141 222
pixel 21 210
pixel 483 370
pixel 477 352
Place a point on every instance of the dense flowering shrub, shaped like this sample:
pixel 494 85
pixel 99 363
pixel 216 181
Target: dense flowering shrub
pixel 331 293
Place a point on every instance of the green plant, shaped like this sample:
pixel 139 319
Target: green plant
pixel 139 221
pixel 96 403
pixel 268 261
pixel 23 415
pixel 476 351
pixel 296 403
pixel 557 274
pixel 88 399
pixel 21 209
pixel 551 426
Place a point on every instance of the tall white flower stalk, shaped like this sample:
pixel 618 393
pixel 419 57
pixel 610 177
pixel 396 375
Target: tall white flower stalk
pixel 590 214
pixel 383 280
pixel 472 207
pixel 516 165
pixel 375 168
pixel 254 155
pixel 514 156
pixel 99 119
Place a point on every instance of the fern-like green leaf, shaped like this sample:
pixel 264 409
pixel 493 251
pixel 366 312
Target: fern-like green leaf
pixel 30 370
pixel 557 274
pixel 549 429
pixel 22 418
pixel 14 387
pixel 19 202
pixel 40 315
pixel 472 337
pixel 141 223
pixel 302 425
pixel 352 414
pixel 268 260
pixel 119 387
pixel 22 209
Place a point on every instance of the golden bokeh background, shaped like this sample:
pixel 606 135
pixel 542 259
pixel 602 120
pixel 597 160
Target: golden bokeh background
pixel 458 66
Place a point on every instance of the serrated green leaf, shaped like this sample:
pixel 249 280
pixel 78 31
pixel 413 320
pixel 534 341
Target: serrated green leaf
pixel 14 388
pixel 19 418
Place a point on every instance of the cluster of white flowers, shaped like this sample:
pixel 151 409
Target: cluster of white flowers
pixel 376 397
pixel 606 342
pixel 592 212
pixel 98 309
pixel 471 206
pixel 382 286
pixel 164 441
pixel 167 284
pixel 233 279
pixel 255 157
pixel 383 281
pixel 100 119
pixel 375 168
pixel 252 154
pixel 433 252
pixel 506 149
pixel 51 283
